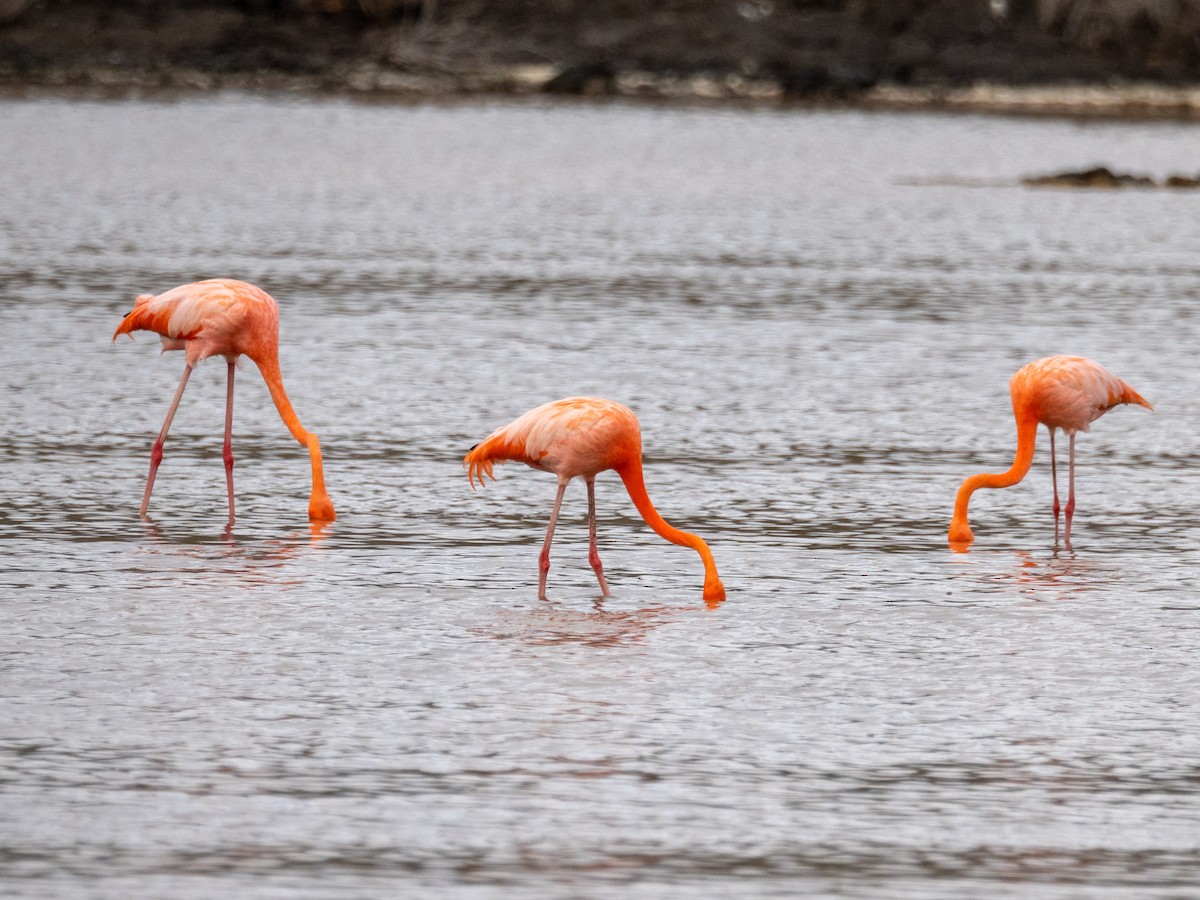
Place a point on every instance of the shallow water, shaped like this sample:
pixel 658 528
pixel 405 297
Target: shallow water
pixel 815 316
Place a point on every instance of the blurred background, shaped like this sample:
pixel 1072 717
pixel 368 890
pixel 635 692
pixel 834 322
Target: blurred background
pixel 789 49
pixel 802 242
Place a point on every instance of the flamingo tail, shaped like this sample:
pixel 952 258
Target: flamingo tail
pixel 1129 395
pixel 496 448
pixel 141 319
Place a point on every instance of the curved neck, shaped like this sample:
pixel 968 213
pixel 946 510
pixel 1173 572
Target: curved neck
pixel 320 507
pixel 631 474
pixel 269 367
pixel 1026 439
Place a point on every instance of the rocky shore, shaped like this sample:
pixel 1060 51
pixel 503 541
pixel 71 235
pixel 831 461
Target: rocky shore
pixel 1008 56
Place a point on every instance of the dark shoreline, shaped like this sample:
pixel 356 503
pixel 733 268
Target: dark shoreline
pixel 1110 102
pixel 904 55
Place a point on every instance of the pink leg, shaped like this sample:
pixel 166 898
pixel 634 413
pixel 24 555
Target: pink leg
pixel 544 558
pixel 228 451
pixel 1054 477
pixel 156 452
pixel 1071 496
pixel 593 551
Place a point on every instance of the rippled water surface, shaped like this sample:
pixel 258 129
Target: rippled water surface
pixel 815 316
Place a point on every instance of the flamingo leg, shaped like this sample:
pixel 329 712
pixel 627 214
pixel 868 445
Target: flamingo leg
pixel 1054 478
pixel 593 550
pixel 227 452
pixel 544 557
pixel 1070 510
pixel 156 452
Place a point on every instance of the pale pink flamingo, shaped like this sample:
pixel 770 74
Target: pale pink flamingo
pixel 1067 392
pixel 583 436
pixel 225 318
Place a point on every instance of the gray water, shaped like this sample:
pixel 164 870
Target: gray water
pixel 815 315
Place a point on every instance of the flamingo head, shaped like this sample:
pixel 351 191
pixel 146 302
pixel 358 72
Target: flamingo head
pixel 960 535
pixel 714 591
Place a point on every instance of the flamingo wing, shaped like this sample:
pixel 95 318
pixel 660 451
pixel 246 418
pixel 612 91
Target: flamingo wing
pixel 206 318
pixel 570 437
pixel 1071 392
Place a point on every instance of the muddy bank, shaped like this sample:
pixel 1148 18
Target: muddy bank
pixel 1014 56
pixel 1104 178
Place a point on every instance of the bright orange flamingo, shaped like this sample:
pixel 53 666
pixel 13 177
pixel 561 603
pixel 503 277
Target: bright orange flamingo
pixel 225 318
pixel 1067 392
pixel 583 436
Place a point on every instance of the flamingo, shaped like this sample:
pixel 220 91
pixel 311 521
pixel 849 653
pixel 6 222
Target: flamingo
pixel 583 436
pixel 222 317
pixel 1067 392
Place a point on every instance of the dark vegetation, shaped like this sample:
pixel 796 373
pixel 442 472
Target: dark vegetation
pixel 804 47
pixel 1104 178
